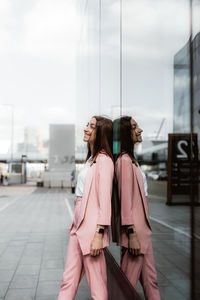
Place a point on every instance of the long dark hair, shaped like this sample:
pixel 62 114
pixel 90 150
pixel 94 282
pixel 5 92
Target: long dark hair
pixel 104 137
pixel 124 136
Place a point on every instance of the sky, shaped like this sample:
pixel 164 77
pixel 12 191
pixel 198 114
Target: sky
pixel 50 64
pixel 37 56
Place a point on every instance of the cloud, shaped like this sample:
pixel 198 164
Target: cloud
pixel 153 30
pixel 44 28
pixel 196 17
pixel 57 114
pixel 5 21
pixel 51 30
pixel 40 28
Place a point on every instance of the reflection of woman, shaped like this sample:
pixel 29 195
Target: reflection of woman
pixel 89 232
pixel 135 238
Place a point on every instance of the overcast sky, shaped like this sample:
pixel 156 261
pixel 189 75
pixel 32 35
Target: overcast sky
pixel 37 57
pixel 38 46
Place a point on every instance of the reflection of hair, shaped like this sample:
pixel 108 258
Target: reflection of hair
pixel 125 136
pixel 116 137
pixel 104 137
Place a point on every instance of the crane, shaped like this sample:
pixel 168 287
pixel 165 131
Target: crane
pixel 159 130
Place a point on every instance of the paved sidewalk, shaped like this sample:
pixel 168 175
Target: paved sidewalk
pixel 10 194
pixel 33 244
pixel 33 240
pixel 14 190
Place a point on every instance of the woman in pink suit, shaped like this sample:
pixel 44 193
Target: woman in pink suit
pixel 89 233
pixel 135 238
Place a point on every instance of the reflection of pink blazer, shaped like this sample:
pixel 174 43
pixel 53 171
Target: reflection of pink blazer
pixel 95 205
pixel 134 205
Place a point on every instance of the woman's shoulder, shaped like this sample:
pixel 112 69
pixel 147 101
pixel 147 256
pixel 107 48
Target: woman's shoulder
pixel 124 157
pixel 104 157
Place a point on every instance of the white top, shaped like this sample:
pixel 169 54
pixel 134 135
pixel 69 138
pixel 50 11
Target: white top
pixel 81 178
pixel 144 181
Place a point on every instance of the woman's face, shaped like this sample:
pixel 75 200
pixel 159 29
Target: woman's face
pixel 90 131
pixel 136 132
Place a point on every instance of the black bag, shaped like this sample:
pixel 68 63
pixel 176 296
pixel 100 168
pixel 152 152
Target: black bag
pixel 116 211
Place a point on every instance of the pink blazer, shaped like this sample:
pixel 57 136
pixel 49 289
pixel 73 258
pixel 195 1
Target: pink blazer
pixel 95 205
pixel 134 204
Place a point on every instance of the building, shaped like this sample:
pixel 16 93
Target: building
pixel 61 155
pixel 181 116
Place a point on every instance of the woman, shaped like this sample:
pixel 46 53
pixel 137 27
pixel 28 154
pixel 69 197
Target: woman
pixel 89 233
pixel 135 238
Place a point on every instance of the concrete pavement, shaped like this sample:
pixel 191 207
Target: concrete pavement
pixel 33 243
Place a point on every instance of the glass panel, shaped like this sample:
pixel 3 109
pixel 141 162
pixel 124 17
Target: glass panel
pixel 110 71
pixel 156 93
pixel 97 66
pixel 98 71
pixel 196 165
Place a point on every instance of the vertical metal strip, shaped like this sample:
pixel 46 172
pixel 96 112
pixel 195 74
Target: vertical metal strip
pixel 99 56
pixel 12 131
pixel 192 207
pixel 121 58
pixel 88 56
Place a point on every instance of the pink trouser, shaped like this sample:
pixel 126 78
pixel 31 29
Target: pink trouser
pixel 76 265
pixel 142 268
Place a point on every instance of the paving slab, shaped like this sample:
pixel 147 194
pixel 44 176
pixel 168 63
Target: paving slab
pixel 28 269
pixel 3 288
pixel 20 294
pixel 48 288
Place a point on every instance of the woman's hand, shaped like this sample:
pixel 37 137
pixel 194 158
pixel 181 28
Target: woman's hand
pixel 133 244
pixel 97 244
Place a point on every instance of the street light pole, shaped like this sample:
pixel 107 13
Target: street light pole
pixel 12 133
pixel 12 130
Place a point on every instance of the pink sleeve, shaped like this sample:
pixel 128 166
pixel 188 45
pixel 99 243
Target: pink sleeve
pixel 105 176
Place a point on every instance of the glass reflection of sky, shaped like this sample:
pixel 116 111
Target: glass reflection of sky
pixel 150 43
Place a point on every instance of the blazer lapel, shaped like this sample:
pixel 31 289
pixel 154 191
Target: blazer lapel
pixel 141 188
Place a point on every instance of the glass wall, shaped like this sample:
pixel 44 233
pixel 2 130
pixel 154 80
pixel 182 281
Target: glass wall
pixel 134 59
pixel 97 65
pixel 195 126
